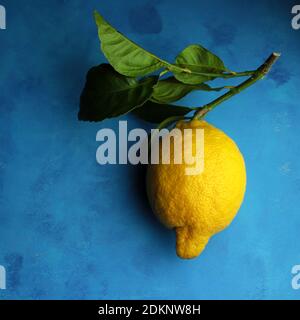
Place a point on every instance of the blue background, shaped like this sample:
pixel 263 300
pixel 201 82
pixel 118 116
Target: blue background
pixel 70 228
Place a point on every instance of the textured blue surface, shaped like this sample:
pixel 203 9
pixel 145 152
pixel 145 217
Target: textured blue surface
pixel 70 228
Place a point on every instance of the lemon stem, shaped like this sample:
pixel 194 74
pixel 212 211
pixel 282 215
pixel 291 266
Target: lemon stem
pixel 258 74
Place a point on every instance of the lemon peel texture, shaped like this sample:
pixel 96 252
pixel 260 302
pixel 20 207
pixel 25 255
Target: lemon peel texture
pixel 199 206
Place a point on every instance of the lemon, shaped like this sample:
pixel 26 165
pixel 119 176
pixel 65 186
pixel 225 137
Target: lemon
pixel 198 206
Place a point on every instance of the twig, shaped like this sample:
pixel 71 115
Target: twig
pixel 259 74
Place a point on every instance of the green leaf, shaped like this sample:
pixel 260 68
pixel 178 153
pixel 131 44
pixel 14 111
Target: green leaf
pixel 200 62
pixel 108 94
pixel 124 55
pixel 156 113
pixel 170 90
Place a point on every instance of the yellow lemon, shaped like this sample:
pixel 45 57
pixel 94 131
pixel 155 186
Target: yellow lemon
pixel 198 206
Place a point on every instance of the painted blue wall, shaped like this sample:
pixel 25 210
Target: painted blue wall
pixel 70 228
